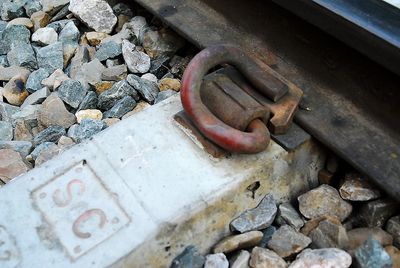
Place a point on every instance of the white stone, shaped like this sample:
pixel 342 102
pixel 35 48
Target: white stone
pixel 322 258
pixel 137 61
pixel 45 36
pixel 151 77
pixel 217 260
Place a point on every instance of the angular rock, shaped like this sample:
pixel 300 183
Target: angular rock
pixel 217 260
pixel 137 61
pixel 159 67
pixel 14 91
pixel 6 131
pixel 85 130
pixel 55 79
pixel 81 56
pixel 12 9
pixel 47 154
pixel 188 258
pixel 96 14
pixel 169 83
pixel 122 9
pixel 267 235
pixel 22 21
pixel 65 142
pixel 88 114
pixel 53 6
pixel 236 242
pixel 7 110
pixel 50 134
pixel 4 61
pixel 325 177
pixel 89 102
pixel 178 65
pixel 69 36
pixel 329 234
pixel 356 188
pixel 22 147
pixel 313 223
pixel 22 55
pixel 147 89
pixel 322 258
pixel 257 218
pixel 110 97
pixel 95 38
pixel 32 6
pixel 151 77
pixel 162 43
pixel 394 253
pixel 71 92
pixel 125 34
pixel 24 131
pixel 108 50
pixel 286 241
pixel 111 121
pixel 14 35
pixel 64 11
pixel 40 19
pixel 139 26
pixel 121 107
pixel 359 235
pixel 53 112
pixel 102 86
pixel 90 73
pixel 35 79
pixel 372 254
pixel 51 57
pixel 43 146
pixel 115 73
pixel 265 258
pixel 242 260
pixel 164 95
pixel 37 97
pixel 45 36
pixel 323 200
pixel 11 165
pixel 139 107
pixel 6 73
pixel 376 213
pixel 393 228
pixel 28 113
pixel 287 214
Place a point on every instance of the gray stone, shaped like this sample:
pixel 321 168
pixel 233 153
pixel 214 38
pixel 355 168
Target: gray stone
pixel 393 228
pixel 322 258
pixel 55 79
pixel 217 260
pixel 376 213
pixel 257 218
pixel 59 25
pixel 43 146
pixel 12 9
pixel 25 130
pixel 122 9
pixel 71 92
pixel 6 131
pixel 137 61
pixel 81 56
pixel 50 134
pixel 286 241
pixel 108 50
pixel 90 73
pixel 47 154
pixel 287 214
pixel 358 236
pixel 96 14
pixel 13 35
pixel 45 36
pixel 189 258
pixel 148 90
pixel 265 258
pixel 4 61
pixel 241 260
pixel 27 113
pixel 121 107
pixel 267 235
pixel 85 130
pixel 53 6
pixel 32 6
pixel 139 26
pixel 372 255
pixel 89 102
pixel 329 234
pixel 324 200
pixel 69 36
pixel 22 147
pixel 163 95
pixel 51 57
pixel 110 97
pixel 159 67
pixel 7 73
pixel 162 43
pixel 115 73
pixel 22 55
pixel 53 112
pixel 125 34
pixel 357 188
pixel 35 79
pixel 151 77
pixel 61 14
pixel 11 165
pixel 7 110
pixel 36 97
pixel 236 242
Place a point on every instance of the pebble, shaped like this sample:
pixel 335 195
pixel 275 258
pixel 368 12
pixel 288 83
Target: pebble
pixel 313 223
pixel 356 188
pixel 162 43
pixel 50 134
pixel 163 95
pixel 22 55
pixel 61 14
pixel 108 50
pixel 111 121
pixel 53 6
pixel 22 21
pixel 22 147
pixel 96 14
pixel 265 258
pixel 7 110
pixel 89 102
pixel 24 131
pixel 139 27
pixel 125 34
pixel 14 91
pixel 159 67
pixel 37 97
pixel 85 130
pixel 53 112
pixel 178 65
pixel 88 114
pixel 12 9
pixel 109 98
pixel 45 36
pixel 55 79
pixel 102 86
pixel 217 260
pixel 376 213
pixel 47 154
pixel 329 234
pixel 65 142
pixel 358 236
pixel 81 57
pixel 6 131
pixel 240 241
pixel 6 73
pixel 325 177
pixel 69 36
pixel 43 146
pixel 32 6
pixel 241 260
pixel 90 73
pixel 35 79
pixel 169 83
pixel 257 218
pixel 287 214
pixel 267 235
pixel 121 107
pixel 11 165
pixel 137 61
pixel 115 73
pixel 286 241
pixel 393 228
pixel 40 19
pixel 190 257
pixel 13 35
pixel 95 38
pixel 148 90
pixel 141 105
pixel 4 61
pixel 372 255
pixel 322 258
pixel 51 57
pixel 151 77
pixel 324 200
pixel 28 113
pixel 394 253
pixel 71 92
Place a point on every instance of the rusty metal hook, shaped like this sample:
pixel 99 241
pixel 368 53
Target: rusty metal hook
pixel 257 138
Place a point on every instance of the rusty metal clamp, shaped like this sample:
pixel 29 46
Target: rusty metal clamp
pixel 256 137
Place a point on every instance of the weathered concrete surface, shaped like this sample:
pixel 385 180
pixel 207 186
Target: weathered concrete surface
pixel 137 194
